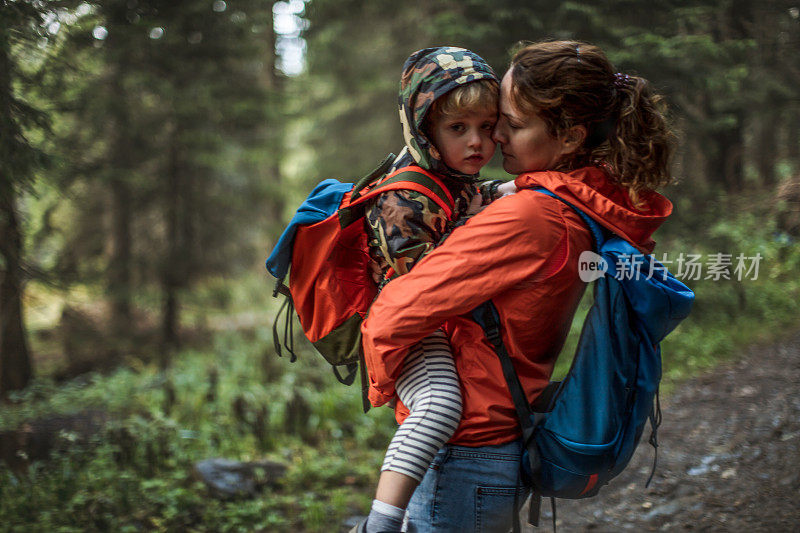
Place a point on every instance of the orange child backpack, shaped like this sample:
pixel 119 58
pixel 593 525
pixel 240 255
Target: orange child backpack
pixel 326 246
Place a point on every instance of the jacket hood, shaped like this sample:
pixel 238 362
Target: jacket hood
pixel 427 75
pixel 591 190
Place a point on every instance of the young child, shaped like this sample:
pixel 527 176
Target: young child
pixel 448 109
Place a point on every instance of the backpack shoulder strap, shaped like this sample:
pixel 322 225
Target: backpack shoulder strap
pixel 487 317
pixel 376 173
pixel 408 178
pixel 420 180
pixel 598 233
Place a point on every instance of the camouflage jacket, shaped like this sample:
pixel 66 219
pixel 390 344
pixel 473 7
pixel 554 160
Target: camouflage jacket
pixel 404 225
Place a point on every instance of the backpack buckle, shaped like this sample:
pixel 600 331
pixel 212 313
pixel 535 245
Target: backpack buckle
pixel 280 288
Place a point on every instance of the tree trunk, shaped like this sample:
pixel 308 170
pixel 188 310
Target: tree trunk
pixel 690 158
pixel 274 133
pixel 766 146
pixel 120 278
pixel 727 160
pixel 766 113
pixel 173 274
pixel 15 363
pixel 733 152
pixel 119 275
pixel 793 139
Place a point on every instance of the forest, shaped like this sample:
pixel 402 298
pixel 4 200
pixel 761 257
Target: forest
pixel 151 153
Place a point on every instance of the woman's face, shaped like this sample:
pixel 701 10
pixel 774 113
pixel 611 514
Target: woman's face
pixel 524 140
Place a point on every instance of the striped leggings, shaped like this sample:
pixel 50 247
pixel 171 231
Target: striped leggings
pixel 429 387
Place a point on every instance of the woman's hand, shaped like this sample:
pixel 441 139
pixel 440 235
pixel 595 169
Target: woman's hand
pixel 504 189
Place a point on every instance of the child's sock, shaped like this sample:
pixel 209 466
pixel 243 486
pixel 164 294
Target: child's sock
pixel 384 518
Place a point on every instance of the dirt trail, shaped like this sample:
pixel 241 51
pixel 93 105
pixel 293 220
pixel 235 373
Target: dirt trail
pixel 729 457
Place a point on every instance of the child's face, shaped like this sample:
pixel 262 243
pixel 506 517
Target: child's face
pixel 464 141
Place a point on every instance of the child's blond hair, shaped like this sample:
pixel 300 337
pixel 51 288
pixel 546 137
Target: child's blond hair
pixel 471 97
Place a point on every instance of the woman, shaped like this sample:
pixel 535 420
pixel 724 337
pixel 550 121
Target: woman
pixel 597 139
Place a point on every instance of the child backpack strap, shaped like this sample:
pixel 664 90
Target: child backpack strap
pixel 407 178
pixel 584 435
pixel 326 246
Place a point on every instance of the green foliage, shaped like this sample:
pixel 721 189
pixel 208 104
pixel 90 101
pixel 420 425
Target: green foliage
pixel 168 122
pixel 731 313
pixel 350 88
pixel 721 76
pixel 138 472
pixel 20 29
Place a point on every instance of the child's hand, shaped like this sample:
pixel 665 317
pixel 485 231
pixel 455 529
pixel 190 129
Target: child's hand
pixel 504 189
pixel 475 206
pixel 375 271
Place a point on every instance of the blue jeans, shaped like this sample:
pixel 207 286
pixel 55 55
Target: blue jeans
pixel 469 490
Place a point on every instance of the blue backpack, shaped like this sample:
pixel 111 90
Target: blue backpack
pixel 582 431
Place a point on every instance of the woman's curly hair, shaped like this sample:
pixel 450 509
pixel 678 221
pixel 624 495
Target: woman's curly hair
pixel 569 83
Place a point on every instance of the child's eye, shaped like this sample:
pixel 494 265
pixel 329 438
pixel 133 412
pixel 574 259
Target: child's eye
pixel 488 126
pixel 457 126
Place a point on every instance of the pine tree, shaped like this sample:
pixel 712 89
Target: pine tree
pixel 20 26
pixel 178 118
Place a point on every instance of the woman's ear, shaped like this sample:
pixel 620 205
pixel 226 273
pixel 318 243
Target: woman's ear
pixel 573 139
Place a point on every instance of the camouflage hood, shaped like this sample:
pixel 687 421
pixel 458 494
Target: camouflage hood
pixel 427 75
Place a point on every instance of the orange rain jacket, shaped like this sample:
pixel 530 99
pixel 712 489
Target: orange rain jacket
pixel 522 253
